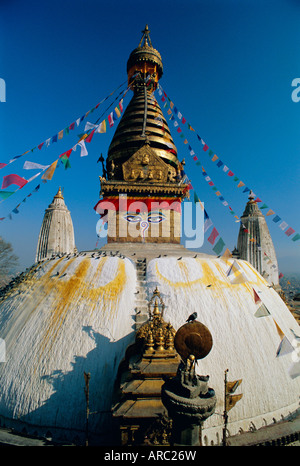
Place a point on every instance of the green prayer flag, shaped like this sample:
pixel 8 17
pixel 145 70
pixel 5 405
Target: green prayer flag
pixel 264 206
pixel 296 237
pixel 219 246
pixel 65 160
pixel 6 194
pixel 196 198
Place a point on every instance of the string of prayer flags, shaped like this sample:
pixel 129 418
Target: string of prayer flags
pixel 220 164
pixel 117 111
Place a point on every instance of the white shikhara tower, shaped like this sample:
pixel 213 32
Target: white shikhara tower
pixel 57 232
pixel 255 244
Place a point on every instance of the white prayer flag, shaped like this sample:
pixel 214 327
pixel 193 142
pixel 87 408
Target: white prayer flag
pixel 34 166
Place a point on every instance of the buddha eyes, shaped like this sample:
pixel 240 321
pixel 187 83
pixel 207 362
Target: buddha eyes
pixel 153 217
pixel 156 217
pixel 135 218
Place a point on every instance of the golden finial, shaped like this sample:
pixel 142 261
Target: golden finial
pixel 59 194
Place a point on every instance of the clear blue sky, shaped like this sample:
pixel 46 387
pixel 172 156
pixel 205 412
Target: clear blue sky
pixel 228 66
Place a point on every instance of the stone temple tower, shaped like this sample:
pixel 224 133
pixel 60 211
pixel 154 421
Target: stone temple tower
pixel 255 244
pixel 57 233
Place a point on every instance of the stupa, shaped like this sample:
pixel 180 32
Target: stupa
pixel 81 313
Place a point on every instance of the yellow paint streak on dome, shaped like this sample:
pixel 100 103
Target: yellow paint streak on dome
pixel 68 291
pixel 109 293
pixel 76 288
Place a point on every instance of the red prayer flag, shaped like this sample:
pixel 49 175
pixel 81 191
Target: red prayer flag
pixel 72 125
pixel 13 179
pixel 40 145
pixel 256 297
pixel 230 173
pixel 289 231
pixel 205 147
pixel 183 120
pixel 90 136
pixel 213 235
pixel 2 165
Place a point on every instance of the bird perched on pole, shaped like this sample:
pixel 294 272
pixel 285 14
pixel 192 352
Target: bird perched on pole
pixel 192 317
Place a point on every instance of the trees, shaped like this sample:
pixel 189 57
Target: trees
pixel 8 262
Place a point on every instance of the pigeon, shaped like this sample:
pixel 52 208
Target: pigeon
pixel 179 258
pixel 192 317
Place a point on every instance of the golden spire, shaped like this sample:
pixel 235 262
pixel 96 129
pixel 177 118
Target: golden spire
pixel 59 194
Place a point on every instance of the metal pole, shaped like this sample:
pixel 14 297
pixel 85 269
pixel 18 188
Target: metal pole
pixel 225 415
pixel 86 391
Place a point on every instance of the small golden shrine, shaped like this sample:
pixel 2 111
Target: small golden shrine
pixel 141 416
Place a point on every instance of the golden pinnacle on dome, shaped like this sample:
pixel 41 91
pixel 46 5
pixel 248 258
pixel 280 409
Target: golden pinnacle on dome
pixel 59 194
pixel 145 58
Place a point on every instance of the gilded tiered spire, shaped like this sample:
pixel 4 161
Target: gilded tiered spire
pixel 142 160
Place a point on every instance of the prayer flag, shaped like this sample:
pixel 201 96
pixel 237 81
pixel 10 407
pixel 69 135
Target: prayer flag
pixel 230 173
pixel 294 370
pixel 83 150
pixel 220 163
pixel 283 226
pixel 284 347
pixel 219 246
pixel 207 224
pixel 40 145
pixel 276 219
pixel 213 236
pixel 264 206
pixel 256 297
pixel 5 194
pixel 225 168
pixel 72 125
pixel 34 166
pixel 296 237
pixel 280 276
pixel 89 126
pixel 2 165
pixel 110 119
pixel 226 255
pixel 240 184
pixel 50 171
pixel 90 137
pixel 289 231
pixel 270 212
pixel 54 138
pixel 205 147
pixel 262 311
pixel 102 127
pixel 13 179
pixel 215 157
pixel 246 190
pixel 61 134
pixel 65 160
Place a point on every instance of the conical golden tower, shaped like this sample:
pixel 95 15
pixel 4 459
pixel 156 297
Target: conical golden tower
pixel 142 164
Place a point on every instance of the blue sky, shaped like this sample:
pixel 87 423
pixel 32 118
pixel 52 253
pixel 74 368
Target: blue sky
pixel 228 67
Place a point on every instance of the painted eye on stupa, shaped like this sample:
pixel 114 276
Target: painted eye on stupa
pixel 135 218
pixel 156 217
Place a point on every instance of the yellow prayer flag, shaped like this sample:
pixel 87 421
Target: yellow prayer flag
pixel 231 401
pixel 50 171
pixel 215 157
pixel 280 332
pixel 270 212
pixel 61 134
pixel 240 184
pixel 227 255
